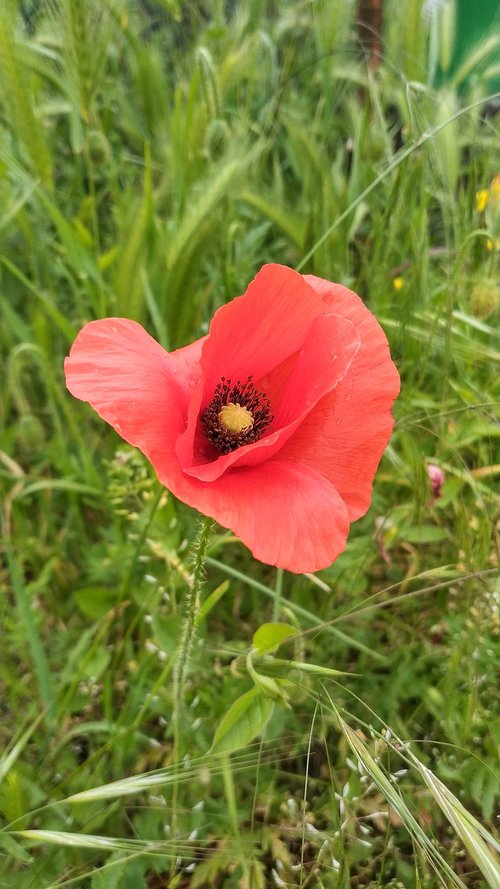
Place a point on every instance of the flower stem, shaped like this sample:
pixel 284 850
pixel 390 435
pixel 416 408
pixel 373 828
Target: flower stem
pixel 191 607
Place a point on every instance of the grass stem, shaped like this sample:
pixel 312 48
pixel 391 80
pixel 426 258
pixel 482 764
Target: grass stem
pixel 227 776
pixel 32 635
pixel 278 588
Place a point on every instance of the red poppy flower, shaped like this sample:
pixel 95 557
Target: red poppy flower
pixel 273 424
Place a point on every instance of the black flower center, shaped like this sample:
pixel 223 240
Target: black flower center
pixel 236 416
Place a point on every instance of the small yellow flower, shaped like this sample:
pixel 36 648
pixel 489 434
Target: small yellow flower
pixel 482 197
pixel 488 195
pixel 398 283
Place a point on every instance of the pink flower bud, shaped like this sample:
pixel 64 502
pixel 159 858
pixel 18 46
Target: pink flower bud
pixel 436 478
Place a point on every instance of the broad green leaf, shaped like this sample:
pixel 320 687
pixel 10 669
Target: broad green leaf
pixel 269 686
pixel 134 876
pixel 95 665
pixel 95 601
pixel 270 636
pixel 120 873
pixel 245 719
pixel 111 876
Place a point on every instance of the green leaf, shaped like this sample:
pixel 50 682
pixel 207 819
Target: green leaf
pixel 270 636
pixel 207 871
pixel 269 686
pixel 134 876
pixel 95 665
pixel 246 718
pixel 111 876
pixel 95 601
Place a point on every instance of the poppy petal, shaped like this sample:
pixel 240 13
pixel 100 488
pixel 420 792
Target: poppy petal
pixel 345 435
pixel 132 382
pixel 286 514
pixel 257 331
pixel 323 360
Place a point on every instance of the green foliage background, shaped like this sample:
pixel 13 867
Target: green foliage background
pixel 152 156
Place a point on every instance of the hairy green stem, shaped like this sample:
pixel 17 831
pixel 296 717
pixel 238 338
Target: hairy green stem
pixel 191 606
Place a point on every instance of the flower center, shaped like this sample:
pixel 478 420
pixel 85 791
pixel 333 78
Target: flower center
pixel 236 415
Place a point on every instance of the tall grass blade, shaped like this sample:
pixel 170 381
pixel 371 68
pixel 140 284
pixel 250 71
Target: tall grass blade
pixel 470 831
pixel 35 643
pixel 19 103
pixel 395 800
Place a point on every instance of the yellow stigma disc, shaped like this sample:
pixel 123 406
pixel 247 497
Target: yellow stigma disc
pixel 235 418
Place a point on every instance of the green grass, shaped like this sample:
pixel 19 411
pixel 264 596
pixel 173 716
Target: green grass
pixel 152 158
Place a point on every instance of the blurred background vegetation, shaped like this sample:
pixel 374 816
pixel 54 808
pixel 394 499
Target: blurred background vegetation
pixel 152 156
